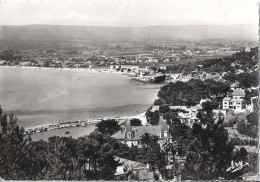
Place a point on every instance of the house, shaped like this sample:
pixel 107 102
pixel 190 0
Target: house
pixel 127 165
pixel 236 102
pixel 131 135
pixel 155 108
pixel 131 67
pixel 186 114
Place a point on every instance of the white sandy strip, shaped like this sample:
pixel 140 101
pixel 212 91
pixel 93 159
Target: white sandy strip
pixel 94 70
pixel 140 116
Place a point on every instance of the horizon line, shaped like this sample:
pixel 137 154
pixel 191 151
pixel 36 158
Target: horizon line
pixel 159 25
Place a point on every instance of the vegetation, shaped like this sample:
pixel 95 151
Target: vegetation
pixel 240 60
pixel 249 127
pixel 245 80
pixel 61 158
pixel 191 92
pixel 207 150
pixel 109 127
pixel 135 122
pixel 152 117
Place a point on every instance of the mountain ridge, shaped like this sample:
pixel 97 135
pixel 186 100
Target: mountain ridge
pixel 39 34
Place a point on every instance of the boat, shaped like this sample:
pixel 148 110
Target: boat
pixel 67 132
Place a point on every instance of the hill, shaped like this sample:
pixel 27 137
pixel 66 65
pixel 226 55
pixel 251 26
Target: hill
pixel 36 35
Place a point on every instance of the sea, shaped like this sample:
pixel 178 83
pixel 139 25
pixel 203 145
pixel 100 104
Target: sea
pixel 39 96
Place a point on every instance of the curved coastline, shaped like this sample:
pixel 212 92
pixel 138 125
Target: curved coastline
pixel 71 123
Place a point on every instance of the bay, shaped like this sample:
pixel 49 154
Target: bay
pixel 43 96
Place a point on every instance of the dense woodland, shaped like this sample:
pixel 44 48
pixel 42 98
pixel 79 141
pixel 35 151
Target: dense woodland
pixel 191 92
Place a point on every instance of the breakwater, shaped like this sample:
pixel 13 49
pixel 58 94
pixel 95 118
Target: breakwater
pixel 68 124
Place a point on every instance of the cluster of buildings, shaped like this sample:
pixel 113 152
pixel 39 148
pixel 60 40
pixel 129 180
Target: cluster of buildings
pixel 131 135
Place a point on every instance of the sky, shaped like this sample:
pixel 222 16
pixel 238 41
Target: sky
pixel 130 13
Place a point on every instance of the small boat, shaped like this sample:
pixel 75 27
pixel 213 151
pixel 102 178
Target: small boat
pixel 67 132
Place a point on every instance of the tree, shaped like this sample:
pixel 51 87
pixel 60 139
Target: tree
pixel 208 106
pixel 109 126
pixel 152 117
pixel 146 140
pixel 135 122
pixel 164 108
pixel 253 118
pixel 208 151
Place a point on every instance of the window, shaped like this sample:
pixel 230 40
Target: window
pixel 165 133
pixel 225 102
pixel 129 135
pixel 230 103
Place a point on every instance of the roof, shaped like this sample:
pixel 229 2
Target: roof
pixel 239 92
pixel 139 131
pixel 204 100
pixel 155 108
pixel 234 85
pixel 179 107
pixel 227 99
pixel 197 107
pixel 129 163
pixel 194 117
pixel 237 100
pixel 183 115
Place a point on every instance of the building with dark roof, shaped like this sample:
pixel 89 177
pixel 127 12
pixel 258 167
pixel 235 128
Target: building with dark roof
pixel 131 135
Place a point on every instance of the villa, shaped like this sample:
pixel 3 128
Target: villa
pixel 236 102
pixel 131 135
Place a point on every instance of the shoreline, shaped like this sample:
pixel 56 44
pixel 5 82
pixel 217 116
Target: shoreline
pixel 93 70
pixel 79 123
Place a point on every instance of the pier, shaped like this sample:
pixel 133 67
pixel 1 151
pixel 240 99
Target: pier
pixel 68 124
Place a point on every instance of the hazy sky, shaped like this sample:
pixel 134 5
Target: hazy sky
pixel 131 13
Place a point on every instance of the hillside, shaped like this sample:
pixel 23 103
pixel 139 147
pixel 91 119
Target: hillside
pixel 35 35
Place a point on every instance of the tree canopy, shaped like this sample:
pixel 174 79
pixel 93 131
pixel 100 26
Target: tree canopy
pixel 191 92
pixel 109 126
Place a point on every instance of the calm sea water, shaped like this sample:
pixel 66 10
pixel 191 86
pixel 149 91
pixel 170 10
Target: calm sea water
pixel 42 96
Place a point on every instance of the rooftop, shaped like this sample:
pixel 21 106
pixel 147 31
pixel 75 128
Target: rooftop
pixel 239 92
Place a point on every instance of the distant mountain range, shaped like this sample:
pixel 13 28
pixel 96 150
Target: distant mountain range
pixel 41 34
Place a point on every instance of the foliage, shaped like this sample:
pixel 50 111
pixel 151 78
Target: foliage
pixel 135 122
pixel 247 80
pixel 148 141
pixel 208 150
pixel 253 118
pixel 240 60
pixel 152 117
pixel 109 126
pixel 191 92
pixel 209 106
pixel 249 126
pixel 61 158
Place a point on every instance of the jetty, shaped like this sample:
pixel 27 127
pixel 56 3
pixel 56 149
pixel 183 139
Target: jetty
pixel 67 124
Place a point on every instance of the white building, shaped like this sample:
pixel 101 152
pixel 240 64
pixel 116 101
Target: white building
pixel 236 102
